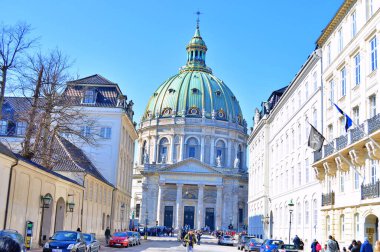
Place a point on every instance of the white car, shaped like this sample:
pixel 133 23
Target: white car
pixel 226 240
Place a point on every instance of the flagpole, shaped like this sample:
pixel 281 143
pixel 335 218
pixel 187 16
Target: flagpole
pixel 360 128
pixel 340 154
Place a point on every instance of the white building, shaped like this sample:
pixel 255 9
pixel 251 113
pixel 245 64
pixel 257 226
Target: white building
pixel 351 203
pixel 279 159
pixel 192 140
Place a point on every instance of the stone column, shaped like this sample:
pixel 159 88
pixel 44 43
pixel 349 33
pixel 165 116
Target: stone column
pixel 212 152
pixel 144 204
pixel 179 213
pixel 219 208
pixel 154 158
pixel 159 204
pixel 172 147
pixel 202 149
pixel 200 215
pixel 182 149
pixel 235 208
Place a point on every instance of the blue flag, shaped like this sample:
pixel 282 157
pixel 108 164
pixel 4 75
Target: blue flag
pixel 348 119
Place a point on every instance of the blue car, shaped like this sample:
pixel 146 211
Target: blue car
pixel 65 241
pixel 270 245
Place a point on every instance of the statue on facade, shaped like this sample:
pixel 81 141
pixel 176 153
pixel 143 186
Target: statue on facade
pixel 146 158
pixel 129 109
pixel 203 113
pixel 236 163
pixel 121 101
pixel 219 161
pixel 163 159
pixel 213 114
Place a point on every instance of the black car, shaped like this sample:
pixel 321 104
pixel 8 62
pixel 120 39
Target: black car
pixel 242 240
pixel 65 241
pixel 15 236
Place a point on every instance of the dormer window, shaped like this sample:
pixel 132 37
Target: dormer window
pixel 218 92
pixel 155 94
pixel 89 97
pixel 195 90
pixel 171 90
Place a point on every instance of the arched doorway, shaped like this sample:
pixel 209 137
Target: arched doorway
pixel 271 225
pixel 59 215
pixel 371 225
pixel 47 213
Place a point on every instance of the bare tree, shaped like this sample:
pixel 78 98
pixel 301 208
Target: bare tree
pixel 51 114
pixel 14 43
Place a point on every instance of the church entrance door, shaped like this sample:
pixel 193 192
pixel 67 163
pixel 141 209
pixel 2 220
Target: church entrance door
pixel 189 216
pixel 210 221
pixel 168 217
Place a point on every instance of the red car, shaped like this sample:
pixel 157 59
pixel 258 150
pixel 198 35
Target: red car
pixel 119 239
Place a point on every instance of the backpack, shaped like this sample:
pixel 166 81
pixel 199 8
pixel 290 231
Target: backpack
pixel 318 247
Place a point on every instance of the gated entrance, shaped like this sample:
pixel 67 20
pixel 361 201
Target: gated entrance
pixel 189 216
pixel 168 217
pixel 210 220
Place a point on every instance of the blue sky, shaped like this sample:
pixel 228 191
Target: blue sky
pixel 254 46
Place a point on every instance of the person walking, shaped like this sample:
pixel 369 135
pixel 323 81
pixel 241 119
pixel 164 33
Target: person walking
pixel 314 246
pixel 199 235
pixel 190 241
pixel 107 235
pixel 297 242
pixel 377 246
pixel 355 247
pixel 351 245
pixel 366 246
pixel 331 245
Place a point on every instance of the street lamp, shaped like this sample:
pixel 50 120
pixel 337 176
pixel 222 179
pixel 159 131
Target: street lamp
pixel 291 205
pixel 70 205
pixel 45 203
pixel 146 225
pixel 122 216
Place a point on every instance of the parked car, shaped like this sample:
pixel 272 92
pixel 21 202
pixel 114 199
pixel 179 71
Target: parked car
pixel 119 239
pixel 287 248
pixel 65 241
pixel 241 240
pixel 131 238
pixel 15 236
pixel 270 245
pixel 253 244
pixel 91 243
pixel 226 240
pixel 138 237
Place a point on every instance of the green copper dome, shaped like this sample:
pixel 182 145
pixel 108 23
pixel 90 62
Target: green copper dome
pixel 195 91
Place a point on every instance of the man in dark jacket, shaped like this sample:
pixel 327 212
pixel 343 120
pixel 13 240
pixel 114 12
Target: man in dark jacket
pixel 297 241
pixel 107 235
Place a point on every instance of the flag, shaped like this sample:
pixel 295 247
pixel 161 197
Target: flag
pixel 348 119
pixel 315 139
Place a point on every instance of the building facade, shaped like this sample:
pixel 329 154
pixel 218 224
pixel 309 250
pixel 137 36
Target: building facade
pixel 191 151
pixel 280 161
pixel 348 169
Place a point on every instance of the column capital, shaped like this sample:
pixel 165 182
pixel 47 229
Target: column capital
pixel 179 185
pixel 201 186
pixel 219 187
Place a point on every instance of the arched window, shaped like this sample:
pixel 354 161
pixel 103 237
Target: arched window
pixel 315 80
pixel 342 237
pixel 220 151
pixel 315 213
pixel 299 211
pixel 307 215
pixel 143 152
pixel 163 150
pixel 192 148
pixel 196 54
pixel 356 226
pixel 328 225
pixel 240 156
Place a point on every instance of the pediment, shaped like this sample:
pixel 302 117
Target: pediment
pixel 190 165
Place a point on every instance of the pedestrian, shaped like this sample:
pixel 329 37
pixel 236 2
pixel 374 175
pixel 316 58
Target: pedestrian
pixel 7 244
pixel 331 245
pixel 351 245
pixel 337 244
pixel 344 249
pixel 190 241
pixel 78 229
pixel 325 248
pixel 377 246
pixel 297 242
pixel 355 246
pixel 318 247
pixel 366 246
pixel 314 246
pixel 199 235
pixel 107 235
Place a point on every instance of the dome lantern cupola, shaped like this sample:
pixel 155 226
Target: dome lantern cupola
pixel 196 54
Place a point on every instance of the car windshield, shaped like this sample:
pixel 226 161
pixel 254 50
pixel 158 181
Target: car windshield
pixel 256 240
pixel 87 237
pixel 275 242
pixel 65 236
pixel 120 234
pixel 130 234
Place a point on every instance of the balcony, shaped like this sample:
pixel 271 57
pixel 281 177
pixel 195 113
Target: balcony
pixel 328 199
pixel 370 191
pixel 341 142
pixel 374 124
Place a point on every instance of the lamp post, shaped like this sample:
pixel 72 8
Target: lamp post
pixel 122 216
pixel 291 205
pixel 146 225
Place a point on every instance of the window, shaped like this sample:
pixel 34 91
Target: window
pixel 329 54
pixel 307 171
pixel 292 170
pixel 89 97
pixel 356 180
pixel 21 128
pixel 342 122
pixel 328 224
pixel 163 150
pixel 332 91
pixel 315 80
pixel 372 105
pixel 299 99
pixel 105 132
pixel 3 127
pixel 356 116
pixel 373 171
pixel 307 90
pixel 192 148
pixel 137 211
pixel 307 213
pixel 299 213
pixel 315 119
pixel 353 24
pixel 369 8
pixel 299 174
pixel 299 134
pixel 342 177
pixel 356 226
pixel 373 43
pixel 340 40
pixel 330 132
pixel 85 131
pixel 342 227
pixel 357 68
pixel 343 81
pixel 315 213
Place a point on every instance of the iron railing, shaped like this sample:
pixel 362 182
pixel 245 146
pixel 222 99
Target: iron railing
pixel 371 190
pixel 328 199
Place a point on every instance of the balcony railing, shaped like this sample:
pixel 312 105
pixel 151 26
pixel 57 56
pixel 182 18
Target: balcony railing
pixel 370 191
pixel 328 199
pixel 356 134
pixel 317 155
pixel 374 124
pixel 341 142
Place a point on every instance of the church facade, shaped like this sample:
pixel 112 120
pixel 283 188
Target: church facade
pixel 191 167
